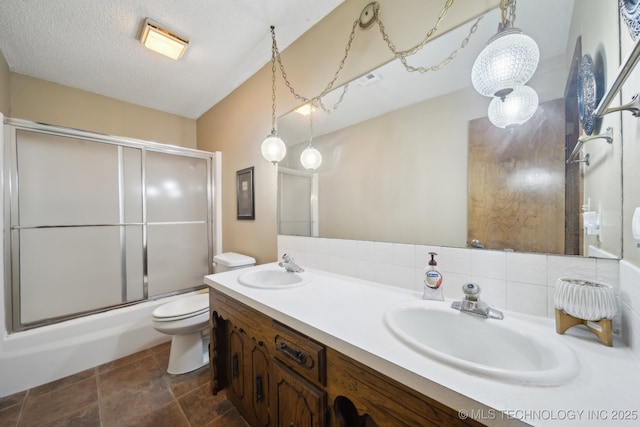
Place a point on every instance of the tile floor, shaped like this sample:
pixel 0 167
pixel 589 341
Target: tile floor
pixel 133 391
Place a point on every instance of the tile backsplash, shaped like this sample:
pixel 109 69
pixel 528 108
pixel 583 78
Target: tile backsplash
pixel 520 282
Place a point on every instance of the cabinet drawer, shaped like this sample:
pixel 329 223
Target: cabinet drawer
pixel 305 356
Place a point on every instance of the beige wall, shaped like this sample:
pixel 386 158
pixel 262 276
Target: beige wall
pixel 42 101
pixel 4 86
pixel 387 183
pixel 237 125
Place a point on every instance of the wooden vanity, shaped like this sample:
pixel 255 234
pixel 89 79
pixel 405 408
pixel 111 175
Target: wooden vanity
pixel 277 376
pixel 323 354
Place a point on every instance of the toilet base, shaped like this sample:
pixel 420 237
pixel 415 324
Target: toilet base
pixel 188 353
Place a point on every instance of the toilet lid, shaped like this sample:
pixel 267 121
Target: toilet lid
pixel 183 306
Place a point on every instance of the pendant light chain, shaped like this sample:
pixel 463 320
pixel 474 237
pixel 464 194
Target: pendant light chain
pixel 448 59
pixel 317 99
pixel 427 38
pixel 273 82
pixel 310 127
pixel 401 55
pixel 508 12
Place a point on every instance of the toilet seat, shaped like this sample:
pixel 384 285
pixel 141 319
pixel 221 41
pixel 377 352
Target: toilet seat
pixel 182 308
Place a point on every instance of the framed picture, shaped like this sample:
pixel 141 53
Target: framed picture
pixel 244 191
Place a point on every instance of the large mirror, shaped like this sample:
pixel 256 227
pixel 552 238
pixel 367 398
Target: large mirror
pixel 412 157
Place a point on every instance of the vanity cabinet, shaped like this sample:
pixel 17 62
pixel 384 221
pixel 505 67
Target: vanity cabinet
pixel 277 376
pixel 300 377
pixel 239 345
pixel 297 402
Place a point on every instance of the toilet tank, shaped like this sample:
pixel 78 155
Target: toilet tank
pixel 228 261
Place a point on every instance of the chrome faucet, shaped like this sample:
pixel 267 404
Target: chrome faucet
pixel 471 303
pixel 289 264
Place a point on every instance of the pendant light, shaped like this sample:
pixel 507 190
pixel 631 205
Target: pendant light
pixel 513 109
pixel 509 59
pixel 273 148
pixel 310 157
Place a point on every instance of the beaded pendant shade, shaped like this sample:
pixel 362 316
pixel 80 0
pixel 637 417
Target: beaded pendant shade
pixel 508 61
pixel 515 108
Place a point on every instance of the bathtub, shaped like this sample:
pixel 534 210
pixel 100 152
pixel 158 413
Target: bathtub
pixel 38 356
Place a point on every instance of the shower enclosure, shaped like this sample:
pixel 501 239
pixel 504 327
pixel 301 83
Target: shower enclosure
pixel 94 222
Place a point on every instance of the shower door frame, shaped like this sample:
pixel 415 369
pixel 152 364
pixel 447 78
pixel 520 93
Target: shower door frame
pixel 11 213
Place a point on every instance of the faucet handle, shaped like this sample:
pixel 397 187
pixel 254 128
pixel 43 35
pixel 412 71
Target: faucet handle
pixel 471 291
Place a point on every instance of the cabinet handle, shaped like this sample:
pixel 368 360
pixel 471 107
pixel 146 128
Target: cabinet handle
pixel 259 388
pixel 295 355
pixel 234 365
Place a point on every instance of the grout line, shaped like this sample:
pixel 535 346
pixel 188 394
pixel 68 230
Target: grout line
pixel 174 399
pixel 22 405
pixel 182 410
pixel 167 383
pixel 97 374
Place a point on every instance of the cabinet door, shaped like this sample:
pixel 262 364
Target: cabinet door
pixel 298 403
pixel 260 378
pixel 237 339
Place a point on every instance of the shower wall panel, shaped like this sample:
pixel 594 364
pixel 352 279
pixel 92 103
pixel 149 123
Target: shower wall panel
pixel 68 270
pixel 66 181
pixel 177 222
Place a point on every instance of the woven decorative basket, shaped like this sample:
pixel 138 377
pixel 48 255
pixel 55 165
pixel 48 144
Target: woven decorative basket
pixel 585 299
pixel 585 302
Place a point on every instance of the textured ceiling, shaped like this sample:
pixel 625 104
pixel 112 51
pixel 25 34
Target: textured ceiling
pixel 93 45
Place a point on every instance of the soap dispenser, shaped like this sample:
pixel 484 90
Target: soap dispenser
pixel 432 281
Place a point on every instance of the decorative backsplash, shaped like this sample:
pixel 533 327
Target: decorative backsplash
pixel 519 282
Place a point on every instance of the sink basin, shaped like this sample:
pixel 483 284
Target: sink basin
pixel 508 350
pixel 273 278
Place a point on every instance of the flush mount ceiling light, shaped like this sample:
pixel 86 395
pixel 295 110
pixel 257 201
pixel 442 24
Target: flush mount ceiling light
pixel 514 109
pixel 509 59
pixel 163 41
pixel 305 110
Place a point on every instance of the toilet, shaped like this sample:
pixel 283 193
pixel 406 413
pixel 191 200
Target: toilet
pixel 186 319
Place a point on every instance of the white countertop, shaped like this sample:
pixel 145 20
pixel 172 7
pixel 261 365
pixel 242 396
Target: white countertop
pixel 347 314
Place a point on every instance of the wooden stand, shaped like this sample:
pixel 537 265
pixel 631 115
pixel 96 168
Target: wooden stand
pixel 601 328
